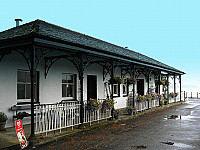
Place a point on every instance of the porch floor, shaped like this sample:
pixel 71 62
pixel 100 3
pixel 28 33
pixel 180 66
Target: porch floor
pixel 9 140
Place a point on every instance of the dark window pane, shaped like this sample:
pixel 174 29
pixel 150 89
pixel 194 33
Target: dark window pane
pixel 64 78
pixel 28 91
pixel 70 79
pixel 21 76
pixel 28 78
pixel 115 89
pixel 70 91
pixel 64 90
pixel 124 89
pixel 20 91
pixel 67 78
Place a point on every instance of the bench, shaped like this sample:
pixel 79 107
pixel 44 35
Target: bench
pixel 21 115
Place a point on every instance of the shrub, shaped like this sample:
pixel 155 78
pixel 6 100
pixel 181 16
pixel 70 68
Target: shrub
pixel 3 117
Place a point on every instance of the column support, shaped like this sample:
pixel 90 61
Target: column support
pixel 180 86
pixel 168 87
pixel 148 87
pixel 32 75
pixel 133 74
pixel 112 75
pixel 81 90
pixel 159 84
pixel 174 87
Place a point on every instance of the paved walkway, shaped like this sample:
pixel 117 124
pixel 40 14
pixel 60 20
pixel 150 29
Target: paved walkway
pixel 168 129
pixel 8 139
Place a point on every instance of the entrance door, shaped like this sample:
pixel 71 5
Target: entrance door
pixel 140 86
pixel 91 87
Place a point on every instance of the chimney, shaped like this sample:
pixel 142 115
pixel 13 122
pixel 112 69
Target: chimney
pixel 17 22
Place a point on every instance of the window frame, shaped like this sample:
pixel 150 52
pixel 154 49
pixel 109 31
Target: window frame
pixel 126 89
pixel 74 86
pixel 26 100
pixel 118 90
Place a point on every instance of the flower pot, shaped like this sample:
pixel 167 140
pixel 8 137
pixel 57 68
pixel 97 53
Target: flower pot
pixel 117 116
pixel 2 126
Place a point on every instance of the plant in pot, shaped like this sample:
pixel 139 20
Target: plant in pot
pixel 131 110
pixel 3 119
pixel 166 101
pixel 116 113
pixel 161 102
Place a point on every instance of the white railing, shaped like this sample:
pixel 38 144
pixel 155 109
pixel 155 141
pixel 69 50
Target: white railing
pixel 58 116
pixel 97 115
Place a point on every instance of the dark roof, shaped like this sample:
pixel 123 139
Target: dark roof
pixel 50 30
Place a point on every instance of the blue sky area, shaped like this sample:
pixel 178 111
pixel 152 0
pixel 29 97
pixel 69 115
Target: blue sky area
pixel 166 30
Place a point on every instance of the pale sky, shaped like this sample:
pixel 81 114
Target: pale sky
pixel 166 30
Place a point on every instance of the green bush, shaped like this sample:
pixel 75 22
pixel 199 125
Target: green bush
pixel 3 117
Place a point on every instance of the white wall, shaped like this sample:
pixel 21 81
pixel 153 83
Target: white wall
pixel 8 83
pixel 50 89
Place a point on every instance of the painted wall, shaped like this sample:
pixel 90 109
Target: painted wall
pixel 50 89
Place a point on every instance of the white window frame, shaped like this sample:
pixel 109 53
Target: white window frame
pixel 126 91
pixel 26 100
pixel 73 84
pixel 117 89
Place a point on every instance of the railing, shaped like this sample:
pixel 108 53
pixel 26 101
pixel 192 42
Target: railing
pixel 141 106
pixel 59 116
pixel 91 116
pixel 192 94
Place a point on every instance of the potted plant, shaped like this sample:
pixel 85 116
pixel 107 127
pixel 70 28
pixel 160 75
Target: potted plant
pixel 94 104
pixel 3 119
pixel 166 101
pixel 161 102
pixel 116 79
pixel 116 113
pixel 131 110
pixel 149 97
pixel 130 80
pixel 108 104
pixel 141 98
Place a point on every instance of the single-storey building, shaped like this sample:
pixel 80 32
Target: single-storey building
pixel 42 63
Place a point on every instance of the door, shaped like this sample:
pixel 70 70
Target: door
pixel 91 87
pixel 140 86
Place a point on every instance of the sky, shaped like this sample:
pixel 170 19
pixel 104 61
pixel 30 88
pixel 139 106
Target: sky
pixel 166 30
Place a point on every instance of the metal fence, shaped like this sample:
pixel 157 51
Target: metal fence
pixel 140 106
pixel 59 116
pixel 192 94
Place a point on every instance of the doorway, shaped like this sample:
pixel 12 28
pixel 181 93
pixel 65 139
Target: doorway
pixel 140 86
pixel 91 87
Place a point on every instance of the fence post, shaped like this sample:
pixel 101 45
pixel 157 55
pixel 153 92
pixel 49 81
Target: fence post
pixel 191 94
pixel 197 94
pixel 184 96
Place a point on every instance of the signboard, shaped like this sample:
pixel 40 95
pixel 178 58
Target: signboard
pixel 20 134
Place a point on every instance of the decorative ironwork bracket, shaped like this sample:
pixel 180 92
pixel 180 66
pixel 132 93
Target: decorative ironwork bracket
pixel 3 54
pixel 80 61
pixel 39 56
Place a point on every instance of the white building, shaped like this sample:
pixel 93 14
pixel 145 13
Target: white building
pixel 65 65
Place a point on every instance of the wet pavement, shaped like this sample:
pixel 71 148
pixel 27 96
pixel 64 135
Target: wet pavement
pixel 173 128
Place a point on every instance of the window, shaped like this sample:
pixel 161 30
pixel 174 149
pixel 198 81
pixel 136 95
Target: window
pixel 24 87
pixel 68 86
pixel 115 90
pixel 124 88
